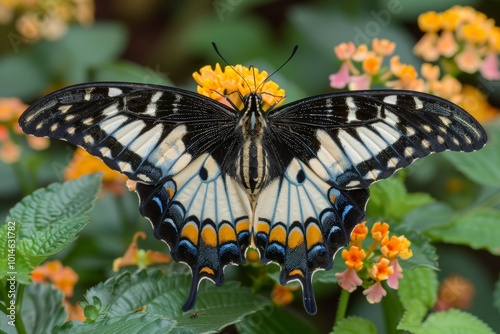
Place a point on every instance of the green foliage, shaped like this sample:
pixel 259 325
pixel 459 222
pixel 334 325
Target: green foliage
pixel 390 200
pixel 46 222
pixel 354 325
pixel 275 320
pixel 453 322
pixel 158 295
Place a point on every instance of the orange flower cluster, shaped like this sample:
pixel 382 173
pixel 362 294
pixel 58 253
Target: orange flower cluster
pixel 461 35
pixel 64 279
pixel 45 19
pixel 10 132
pixel 461 39
pixel 378 263
pixel 229 83
pixel 362 67
pixel 134 256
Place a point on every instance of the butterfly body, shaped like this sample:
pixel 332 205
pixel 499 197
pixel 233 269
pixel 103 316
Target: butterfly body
pixel 214 180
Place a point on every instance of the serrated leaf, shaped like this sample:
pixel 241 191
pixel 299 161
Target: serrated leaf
pixel 428 216
pixel 413 316
pixel 56 202
pixel 354 325
pixel 477 228
pixel 453 322
pixel 275 320
pixel 420 284
pixel 131 324
pixel 390 200
pixel 42 308
pixel 481 166
pixel 163 294
pixel 46 222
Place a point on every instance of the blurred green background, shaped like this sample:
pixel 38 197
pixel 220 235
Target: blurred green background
pixel 164 42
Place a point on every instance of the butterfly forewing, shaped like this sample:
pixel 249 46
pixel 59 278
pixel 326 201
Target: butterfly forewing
pixel 353 139
pixel 147 132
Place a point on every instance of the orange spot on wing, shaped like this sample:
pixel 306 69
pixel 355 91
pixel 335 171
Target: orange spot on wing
pixel 295 238
pixel 209 236
pixel 314 236
pixel 263 227
pixel 242 226
pixel 278 233
pixel 226 234
pixel 207 270
pixel 190 231
pixel 333 198
pixel 296 272
pixel 171 192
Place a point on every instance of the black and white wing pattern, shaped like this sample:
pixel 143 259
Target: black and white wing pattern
pixel 173 142
pixel 327 150
pixel 352 139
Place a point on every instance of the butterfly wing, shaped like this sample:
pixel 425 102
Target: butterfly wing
pixel 353 139
pixel 301 221
pixel 147 132
pixel 326 151
pixel 178 145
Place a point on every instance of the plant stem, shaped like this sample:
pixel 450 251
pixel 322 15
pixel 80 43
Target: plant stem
pixel 342 306
pixel 21 329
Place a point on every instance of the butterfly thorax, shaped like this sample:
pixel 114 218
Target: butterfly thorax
pixel 252 163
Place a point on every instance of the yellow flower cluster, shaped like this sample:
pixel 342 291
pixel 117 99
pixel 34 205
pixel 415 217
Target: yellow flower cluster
pixel 10 132
pixel 467 38
pixel 226 84
pixel 378 263
pixel 45 19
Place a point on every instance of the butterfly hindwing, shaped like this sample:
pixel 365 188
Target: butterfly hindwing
pixel 203 217
pixel 353 139
pixel 147 132
pixel 300 223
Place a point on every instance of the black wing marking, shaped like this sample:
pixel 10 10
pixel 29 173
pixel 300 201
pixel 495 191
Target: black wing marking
pixel 147 132
pixel 353 139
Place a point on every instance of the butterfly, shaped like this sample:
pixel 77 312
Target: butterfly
pixel 291 181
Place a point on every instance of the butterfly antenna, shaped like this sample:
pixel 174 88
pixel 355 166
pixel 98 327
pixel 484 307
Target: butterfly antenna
pixel 231 66
pixel 279 68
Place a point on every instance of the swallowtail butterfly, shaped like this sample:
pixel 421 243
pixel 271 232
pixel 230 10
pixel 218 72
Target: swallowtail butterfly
pixel 291 181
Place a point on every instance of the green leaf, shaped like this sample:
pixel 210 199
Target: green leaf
pixel 80 49
pixel 42 308
pixel 130 72
pixel 45 222
pixel 453 321
pixel 162 294
pixel 390 200
pixel 131 324
pixel 419 284
pixel 428 216
pixel 275 320
pixel 481 166
pixel 413 316
pixel 477 228
pixel 354 325
pixel 21 76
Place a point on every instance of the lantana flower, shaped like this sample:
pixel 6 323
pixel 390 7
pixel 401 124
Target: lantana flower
pixel 134 256
pixel 63 278
pixel 11 133
pixel 37 19
pixel 377 264
pixel 229 83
